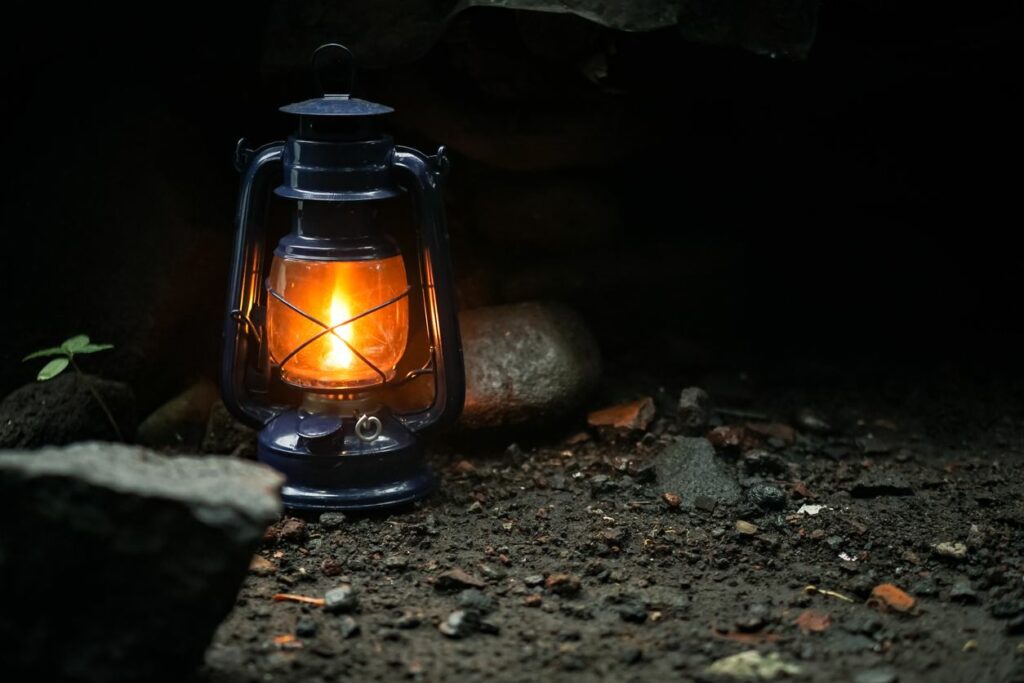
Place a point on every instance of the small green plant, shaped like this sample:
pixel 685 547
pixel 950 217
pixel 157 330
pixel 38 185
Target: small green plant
pixel 75 346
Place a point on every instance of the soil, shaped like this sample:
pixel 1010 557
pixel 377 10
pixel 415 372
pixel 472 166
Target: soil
pixel 664 592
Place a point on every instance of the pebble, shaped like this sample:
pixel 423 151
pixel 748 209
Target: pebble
pixel 340 599
pixel 261 566
pixel 953 551
pixel 671 499
pixel 745 527
pixel 474 599
pixel 962 591
pixel 810 420
pixel 876 676
pixel 632 611
pixel 305 627
pixel 534 580
pixel 694 410
pixel 625 417
pixel 766 496
pixel 292 530
pixel 332 520
pixel 396 562
pixel 563 584
pixel 348 627
pixel 456 578
pixel 460 623
pixel 631 655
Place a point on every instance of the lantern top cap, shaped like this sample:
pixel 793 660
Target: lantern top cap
pixel 334 69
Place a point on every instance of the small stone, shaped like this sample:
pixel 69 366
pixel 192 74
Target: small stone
pixel 332 520
pixel 348 627
pixel 694 410
pixel 305 628
pixel 631 655
pixel 475 507
pixel 534 580
pixel 690 468
pixel 563 584
pixel 889 597
pixel 632 611
pixel 292 530
pixel 752 665
pixel 1006 609
pixel 767 496
pixel 332 567
pixel 746 528
pixel 671 499
pixel 704 503
pixel 474 599
pixel 396 563
pixel 949 550
pixel 261 566
pixel 877 676
pixel 625 417
pixel 810 420
pixel 533 600
pixel 962 591
pixel 409 620
pixel 460 624
pixel 340 599
pixel 455 578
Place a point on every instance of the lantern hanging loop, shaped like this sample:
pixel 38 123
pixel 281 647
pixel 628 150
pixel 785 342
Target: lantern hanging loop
pixel 334 68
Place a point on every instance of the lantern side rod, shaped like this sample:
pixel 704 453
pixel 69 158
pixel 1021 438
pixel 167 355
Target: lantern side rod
pixel 422 175
pixel 260 168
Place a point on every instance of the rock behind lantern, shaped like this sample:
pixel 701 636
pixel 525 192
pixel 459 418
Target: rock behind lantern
pixel 118 564
pixel 528 361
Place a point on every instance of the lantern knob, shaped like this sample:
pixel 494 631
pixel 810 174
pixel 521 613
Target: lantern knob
pixel 321 433
pixel 334 68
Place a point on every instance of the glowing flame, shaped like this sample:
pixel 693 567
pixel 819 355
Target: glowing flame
pixel 339 355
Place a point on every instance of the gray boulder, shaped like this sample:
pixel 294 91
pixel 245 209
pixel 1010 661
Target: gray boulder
pixel 525 362
pixel 689 467
pixel 119 563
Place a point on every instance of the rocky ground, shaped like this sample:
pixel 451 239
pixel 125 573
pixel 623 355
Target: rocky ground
pixel 832 537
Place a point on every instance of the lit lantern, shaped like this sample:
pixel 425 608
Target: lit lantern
pixel 343 348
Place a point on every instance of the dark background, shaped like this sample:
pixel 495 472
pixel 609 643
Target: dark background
pixel 851 215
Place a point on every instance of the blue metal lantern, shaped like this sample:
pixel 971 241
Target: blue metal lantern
pixel 322 339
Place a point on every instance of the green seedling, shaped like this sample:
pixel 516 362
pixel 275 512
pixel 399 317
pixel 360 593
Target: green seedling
pixel 66 352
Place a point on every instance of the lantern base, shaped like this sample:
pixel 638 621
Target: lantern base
pixel 355 475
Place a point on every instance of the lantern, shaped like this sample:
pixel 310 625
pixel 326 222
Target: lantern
pixel 325 340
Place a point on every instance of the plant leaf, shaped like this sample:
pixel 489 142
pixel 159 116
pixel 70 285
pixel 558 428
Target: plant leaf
pixel 52 369
pixel 55 351
pixel 76 343
pixel 93 348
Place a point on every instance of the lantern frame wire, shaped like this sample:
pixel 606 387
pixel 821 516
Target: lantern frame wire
pixel 333 330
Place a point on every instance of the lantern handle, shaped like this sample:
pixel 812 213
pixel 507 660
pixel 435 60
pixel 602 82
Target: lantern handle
pixel 422 175
pixel 334 65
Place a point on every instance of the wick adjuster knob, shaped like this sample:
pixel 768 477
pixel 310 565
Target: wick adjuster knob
pixel 322 433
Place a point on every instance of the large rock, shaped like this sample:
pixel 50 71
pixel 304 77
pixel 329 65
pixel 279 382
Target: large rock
pixel 529 361
pixel 690 468
pixel 63 410
pixel 118 563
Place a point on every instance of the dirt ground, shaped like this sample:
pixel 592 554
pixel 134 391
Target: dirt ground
pixel 588 573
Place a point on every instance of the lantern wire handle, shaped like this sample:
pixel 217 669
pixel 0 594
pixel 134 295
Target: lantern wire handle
pixel 334 68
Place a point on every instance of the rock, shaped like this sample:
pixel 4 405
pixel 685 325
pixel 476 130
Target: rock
pixel 563 584
pixel 810 420
pixel 963 591
pixel 305 627
pixel 525 362
pixel 694 410
pixel 633 611
pixel 261 566
pixel 158 546
pixel 672 500
pixel 348 627
pixel 341 599
pixel 951 551
pixel 767 496
pixel 292 530
pixel 226 435
pixel 180 422
pixel 455 579
pixel 460 624
pixel 396 563
pixel 477 600
pixel 746 528
pixel 63 410
pixel 888 597
pixel 876 676
pixel 1007 609
pixel 332 520
pixel 752 665
pixel 625 417
pixel 690 468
